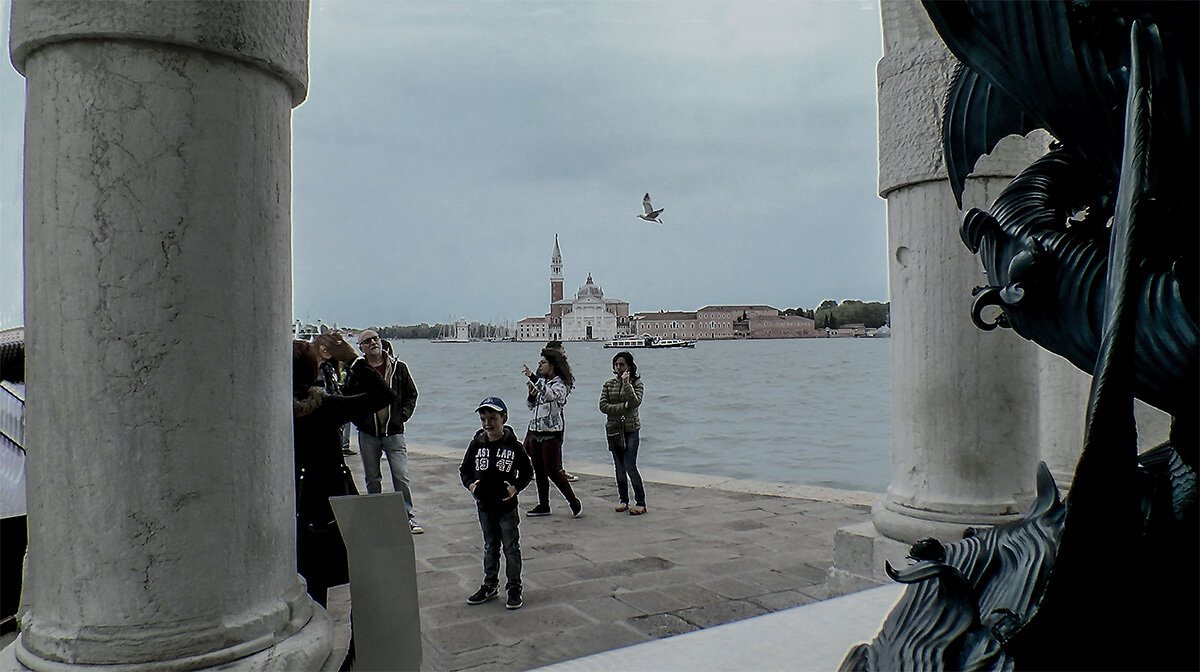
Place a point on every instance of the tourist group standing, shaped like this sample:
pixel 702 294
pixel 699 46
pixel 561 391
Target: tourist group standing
pixel 378 396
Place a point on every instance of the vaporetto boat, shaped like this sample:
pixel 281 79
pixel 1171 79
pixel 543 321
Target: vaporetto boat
pixel 647 341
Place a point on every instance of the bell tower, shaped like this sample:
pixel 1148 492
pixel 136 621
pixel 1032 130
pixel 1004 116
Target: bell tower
pixel 556 274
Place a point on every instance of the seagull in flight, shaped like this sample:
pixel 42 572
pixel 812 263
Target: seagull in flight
pixel 651 214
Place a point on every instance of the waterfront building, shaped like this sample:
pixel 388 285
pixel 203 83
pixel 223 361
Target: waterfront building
pixel 533 329
pixel 588 316
pixel 724 322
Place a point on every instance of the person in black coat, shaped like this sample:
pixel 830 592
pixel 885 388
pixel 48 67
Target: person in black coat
pixel 321 471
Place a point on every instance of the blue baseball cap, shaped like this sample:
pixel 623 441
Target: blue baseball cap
pixel 494 403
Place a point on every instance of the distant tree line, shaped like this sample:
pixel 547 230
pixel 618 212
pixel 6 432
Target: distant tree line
pixel 421 330
pixel 428 331
pixel 832 314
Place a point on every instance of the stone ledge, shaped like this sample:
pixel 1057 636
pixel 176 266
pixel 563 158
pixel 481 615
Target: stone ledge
pixel 666 477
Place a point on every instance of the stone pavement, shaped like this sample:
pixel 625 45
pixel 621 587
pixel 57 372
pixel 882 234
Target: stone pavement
pixel 708 552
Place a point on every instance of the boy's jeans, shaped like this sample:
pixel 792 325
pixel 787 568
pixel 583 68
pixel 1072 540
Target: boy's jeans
pixel 371 449
pixel 500 530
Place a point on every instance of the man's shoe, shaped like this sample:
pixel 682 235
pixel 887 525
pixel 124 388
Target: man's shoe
pixel 484 594
pixel 570 477
pixel 576 508
pixel 415 527
pixel 539 510
pixel 514 599
pixel 348 451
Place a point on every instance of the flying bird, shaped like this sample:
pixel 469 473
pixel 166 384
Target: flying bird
pixel 651 214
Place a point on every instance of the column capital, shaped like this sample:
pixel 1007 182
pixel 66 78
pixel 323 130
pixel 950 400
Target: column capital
pixel 270 35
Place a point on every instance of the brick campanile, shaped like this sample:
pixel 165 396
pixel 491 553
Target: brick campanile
pixel 556 274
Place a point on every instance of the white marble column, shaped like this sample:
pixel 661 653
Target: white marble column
pixel 158 307
pixel 964 401
pixel 1062 394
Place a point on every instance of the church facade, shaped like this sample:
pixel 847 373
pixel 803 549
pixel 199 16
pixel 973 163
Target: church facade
pixel 588 316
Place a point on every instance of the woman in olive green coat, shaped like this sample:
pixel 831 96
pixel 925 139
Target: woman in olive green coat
pixel 619 400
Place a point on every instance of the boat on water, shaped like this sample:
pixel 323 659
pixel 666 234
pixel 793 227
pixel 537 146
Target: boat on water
pixel 305 332
pixel 647 341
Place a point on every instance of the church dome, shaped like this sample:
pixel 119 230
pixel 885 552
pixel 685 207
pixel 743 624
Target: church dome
pixel 589 290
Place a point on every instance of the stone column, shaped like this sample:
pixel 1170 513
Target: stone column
pixel 964 401
pixel 158 307
pixel 1062 394
pixel 1062 402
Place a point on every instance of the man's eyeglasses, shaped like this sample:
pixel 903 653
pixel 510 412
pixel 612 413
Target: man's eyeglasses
pixel 368 340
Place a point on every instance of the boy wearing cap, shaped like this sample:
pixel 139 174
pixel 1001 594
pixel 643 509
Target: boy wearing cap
pixel 495 468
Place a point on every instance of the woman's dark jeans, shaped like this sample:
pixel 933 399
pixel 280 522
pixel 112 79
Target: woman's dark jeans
pixel 546 456
pixel 626 463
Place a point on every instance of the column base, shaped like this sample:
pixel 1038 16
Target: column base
pixel 910 525
pixel 860 550
pixel 309 648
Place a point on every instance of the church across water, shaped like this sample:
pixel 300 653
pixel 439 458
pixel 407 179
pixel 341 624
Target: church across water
pixel 586 317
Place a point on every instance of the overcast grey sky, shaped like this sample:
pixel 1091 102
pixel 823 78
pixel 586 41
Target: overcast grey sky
pixel 443 145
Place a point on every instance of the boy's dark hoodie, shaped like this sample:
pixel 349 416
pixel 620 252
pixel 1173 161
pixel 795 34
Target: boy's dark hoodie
pixel 494 463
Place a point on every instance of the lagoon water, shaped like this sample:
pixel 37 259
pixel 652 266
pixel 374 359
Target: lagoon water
pixel 795 411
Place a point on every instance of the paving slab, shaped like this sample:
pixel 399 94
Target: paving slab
pixel 710 551
pixel 721 612
pixel 814 638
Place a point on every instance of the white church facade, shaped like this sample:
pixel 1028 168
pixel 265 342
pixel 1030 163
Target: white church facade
pixel 589 316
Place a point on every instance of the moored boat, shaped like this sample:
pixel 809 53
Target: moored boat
pixel 304 332
pixel 647 341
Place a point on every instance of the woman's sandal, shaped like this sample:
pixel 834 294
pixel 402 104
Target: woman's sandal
pixel 621 508
pixel 637 510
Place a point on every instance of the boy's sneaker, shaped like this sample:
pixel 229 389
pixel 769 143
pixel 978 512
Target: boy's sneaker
pixel 539 510
pixel 484 594
pixel 514 599
pixel 576 508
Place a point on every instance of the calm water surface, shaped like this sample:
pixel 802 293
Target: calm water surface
pixel 802 411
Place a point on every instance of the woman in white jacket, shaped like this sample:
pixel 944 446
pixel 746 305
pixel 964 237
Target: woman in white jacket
pixel 549 387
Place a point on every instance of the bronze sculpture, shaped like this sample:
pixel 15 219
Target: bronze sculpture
pixel 1091 252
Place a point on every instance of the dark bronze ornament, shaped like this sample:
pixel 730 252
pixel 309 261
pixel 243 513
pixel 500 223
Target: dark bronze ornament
pixel 1091 252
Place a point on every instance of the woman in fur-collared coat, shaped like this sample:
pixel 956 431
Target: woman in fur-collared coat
pixel 321 471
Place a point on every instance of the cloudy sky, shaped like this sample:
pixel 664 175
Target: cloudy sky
pixel 443 145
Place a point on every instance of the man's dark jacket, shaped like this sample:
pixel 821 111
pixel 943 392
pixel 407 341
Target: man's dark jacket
pixel 389 420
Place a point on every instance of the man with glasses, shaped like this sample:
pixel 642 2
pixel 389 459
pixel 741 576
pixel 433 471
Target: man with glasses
pixel 382 432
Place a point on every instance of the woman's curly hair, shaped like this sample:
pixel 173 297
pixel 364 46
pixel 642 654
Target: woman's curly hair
pixel 561 368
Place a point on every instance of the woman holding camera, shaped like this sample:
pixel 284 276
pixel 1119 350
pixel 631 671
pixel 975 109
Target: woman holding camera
pixel 619 400
pixel 548 390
